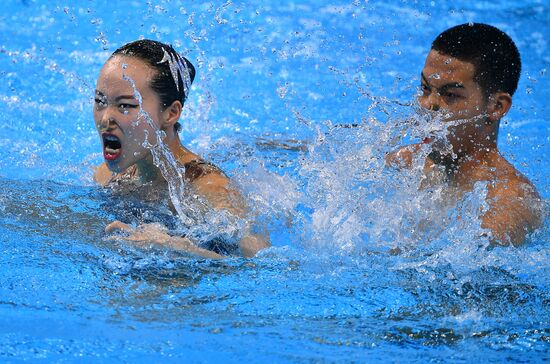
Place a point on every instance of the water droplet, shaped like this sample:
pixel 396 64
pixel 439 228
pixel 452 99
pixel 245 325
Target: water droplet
pixel 124 66
pixel 101 38
pixel 436 76
pixel 282 90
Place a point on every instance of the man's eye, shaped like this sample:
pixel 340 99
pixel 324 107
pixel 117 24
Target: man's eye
pixel 100 102
pixel 451 96
pixel 425 89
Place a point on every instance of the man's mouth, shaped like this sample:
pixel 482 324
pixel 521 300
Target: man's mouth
pixel 111 147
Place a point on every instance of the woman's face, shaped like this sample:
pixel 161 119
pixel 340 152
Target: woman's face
pixel 121 118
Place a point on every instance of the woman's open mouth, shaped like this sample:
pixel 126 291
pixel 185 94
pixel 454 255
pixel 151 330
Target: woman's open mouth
pixel 111 147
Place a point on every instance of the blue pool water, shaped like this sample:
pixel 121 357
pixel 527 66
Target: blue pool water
pixel 279 87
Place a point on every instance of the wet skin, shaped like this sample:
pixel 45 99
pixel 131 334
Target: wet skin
pixel 118 112
pixel 448 87
pixel 128 114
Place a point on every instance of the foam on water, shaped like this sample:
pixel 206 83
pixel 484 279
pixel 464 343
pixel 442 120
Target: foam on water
pixel 299 103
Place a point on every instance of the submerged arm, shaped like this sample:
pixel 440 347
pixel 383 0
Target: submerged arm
pixel 156 234
pixel 215 189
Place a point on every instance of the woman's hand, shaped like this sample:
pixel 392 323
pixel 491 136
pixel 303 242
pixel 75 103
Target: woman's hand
pixel 146 235
pixel 142 235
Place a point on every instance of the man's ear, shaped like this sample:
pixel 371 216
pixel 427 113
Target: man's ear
pixel 499 104
pixel 171 114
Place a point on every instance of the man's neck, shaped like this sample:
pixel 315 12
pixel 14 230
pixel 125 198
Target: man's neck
pixel 460 163
pixel 477 136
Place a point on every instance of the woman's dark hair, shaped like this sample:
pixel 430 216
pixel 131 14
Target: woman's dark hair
pixel 174 73
pixel 492 52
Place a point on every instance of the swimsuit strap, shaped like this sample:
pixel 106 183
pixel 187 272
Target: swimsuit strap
pixel 128 174
pixel 198 168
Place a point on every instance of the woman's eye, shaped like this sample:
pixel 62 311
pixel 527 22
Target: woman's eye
pixel 127 106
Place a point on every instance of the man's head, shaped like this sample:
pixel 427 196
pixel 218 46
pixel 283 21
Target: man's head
pixel 493 53
pixel 471 73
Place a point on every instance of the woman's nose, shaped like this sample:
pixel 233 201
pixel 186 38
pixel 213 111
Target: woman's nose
pixel 107 121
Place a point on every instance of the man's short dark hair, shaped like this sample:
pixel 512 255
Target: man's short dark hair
pixel 492 52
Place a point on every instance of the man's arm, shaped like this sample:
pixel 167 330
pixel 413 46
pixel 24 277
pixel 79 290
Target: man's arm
pixel 403 157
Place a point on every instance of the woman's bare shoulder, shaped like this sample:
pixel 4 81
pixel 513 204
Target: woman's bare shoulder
pixel 103 175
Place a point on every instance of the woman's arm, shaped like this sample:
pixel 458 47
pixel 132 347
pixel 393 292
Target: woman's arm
pixel 149 234
pixel 215 188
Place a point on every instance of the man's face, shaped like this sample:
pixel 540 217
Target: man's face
pixel 448 86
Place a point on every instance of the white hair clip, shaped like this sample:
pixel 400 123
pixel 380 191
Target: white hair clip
pixel 178 67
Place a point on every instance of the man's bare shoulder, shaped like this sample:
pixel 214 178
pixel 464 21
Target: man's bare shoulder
pixel 515 207
pixel 504 178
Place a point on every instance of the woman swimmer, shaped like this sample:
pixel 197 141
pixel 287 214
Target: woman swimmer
pixel 139 97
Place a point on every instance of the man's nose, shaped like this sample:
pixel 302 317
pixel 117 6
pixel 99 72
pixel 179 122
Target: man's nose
pixel 430 102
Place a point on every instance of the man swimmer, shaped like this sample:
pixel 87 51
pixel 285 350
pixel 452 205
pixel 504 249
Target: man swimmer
pixel 469 77
pixel 141 89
